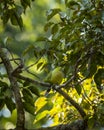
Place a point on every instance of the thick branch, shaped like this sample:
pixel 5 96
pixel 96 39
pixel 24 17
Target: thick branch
pixel 74 103
pixel 33 81
pixel 15 88
pixel 58 89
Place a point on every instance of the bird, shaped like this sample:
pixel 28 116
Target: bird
pixel 55 76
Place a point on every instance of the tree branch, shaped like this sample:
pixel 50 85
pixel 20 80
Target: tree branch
pixel 15 88
pixel 58 89
pixel 74 103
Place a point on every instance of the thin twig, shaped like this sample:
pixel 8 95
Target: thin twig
pixel 11 60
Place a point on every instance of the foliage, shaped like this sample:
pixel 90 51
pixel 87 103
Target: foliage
pixel 74 41
pixel 11 10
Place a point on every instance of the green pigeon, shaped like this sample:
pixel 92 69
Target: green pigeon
pixel 55 76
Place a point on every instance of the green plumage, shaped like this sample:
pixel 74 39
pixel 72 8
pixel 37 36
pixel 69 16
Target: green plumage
pixel 55 76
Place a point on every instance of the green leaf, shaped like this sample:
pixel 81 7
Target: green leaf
pixel 91 122
pixel 29 108
pixel 24 4
pixel 27 96
pixel 5 17
pixel 27 2
pixel 54 29
pixel 28 49
pixel 99 78
pixel 16 19
pixel 39 65
pixel 19 10
pixel 71 4
pixel 8 93
pixel 78 89
pixel 39 39
pixel 48 25
pixel 26 83
pixel 92 67
pixel 34 90
pixel 2 103
pixel 10 104
pixel 52 12
pixel 3 84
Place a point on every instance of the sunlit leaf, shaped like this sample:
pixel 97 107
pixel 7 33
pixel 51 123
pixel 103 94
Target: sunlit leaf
pixel 40 102
pixel 3 84
pixel 41 115
pixel 48 106
pixel 39 65
pixel 52 12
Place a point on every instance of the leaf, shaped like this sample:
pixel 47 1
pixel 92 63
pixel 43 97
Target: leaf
pixel 5 17
pixel 92 67
pixel 34 90
pixel 52 12
pixel 40 102
pixel 29 108
pixel 26 83
pixel 54 29
pixel 27 2
pixel 16 19
pixel 28 49
pixel 78 89
pixel 99 78
pixel 48 25
pixel 3 84
pixel 71 4
pixel 8 93
pixel 39 39
pixel 47 107
pixel 24 4
pixel 7 40
pixel 10 104
pixel 19 10
pixel 41 119
pixel 91 122
pixel 41 115
pixel 27 96
pixel 39 65
pixel 2 103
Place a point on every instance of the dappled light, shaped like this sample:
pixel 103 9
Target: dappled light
pixel 52 64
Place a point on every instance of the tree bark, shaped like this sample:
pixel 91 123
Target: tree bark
pixel 15 89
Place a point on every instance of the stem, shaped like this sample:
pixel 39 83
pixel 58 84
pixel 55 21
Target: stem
pixel 15 88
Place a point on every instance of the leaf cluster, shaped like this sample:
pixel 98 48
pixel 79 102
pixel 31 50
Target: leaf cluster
pixel 12 10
